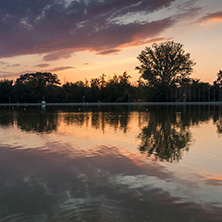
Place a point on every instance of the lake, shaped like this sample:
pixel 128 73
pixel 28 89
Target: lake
pixel 131 163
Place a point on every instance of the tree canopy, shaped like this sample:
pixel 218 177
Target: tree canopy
pixel 39 79
pixel 218 82
pixel 165 64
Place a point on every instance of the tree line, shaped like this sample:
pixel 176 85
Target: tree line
pixel 165 75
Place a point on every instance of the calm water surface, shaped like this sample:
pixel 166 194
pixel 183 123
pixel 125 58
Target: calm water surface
pixel 156 164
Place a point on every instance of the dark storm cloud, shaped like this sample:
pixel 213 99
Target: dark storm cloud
pixel 47 26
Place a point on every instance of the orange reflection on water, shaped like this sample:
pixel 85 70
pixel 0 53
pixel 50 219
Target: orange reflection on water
pixel 100 129
pixel 116 150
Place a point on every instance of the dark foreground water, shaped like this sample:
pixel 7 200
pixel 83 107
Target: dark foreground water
pixel 156 164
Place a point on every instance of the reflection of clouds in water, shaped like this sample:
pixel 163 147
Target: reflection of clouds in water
pixel 183 191
pixel 13 136
pixel 103 184
pixel 69 175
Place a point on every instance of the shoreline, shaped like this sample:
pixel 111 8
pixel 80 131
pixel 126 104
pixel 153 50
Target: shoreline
pixel 113 104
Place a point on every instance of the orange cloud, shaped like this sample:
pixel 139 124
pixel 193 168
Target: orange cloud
pixel 211 18
pixel 211 179
pixel 135 42
pixel 138 42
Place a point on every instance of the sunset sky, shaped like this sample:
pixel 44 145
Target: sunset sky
pixel 78 39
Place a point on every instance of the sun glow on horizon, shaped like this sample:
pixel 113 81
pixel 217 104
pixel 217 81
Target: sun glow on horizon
pixel 113 46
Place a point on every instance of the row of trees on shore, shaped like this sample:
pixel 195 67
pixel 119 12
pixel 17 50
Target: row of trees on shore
pixel 164 69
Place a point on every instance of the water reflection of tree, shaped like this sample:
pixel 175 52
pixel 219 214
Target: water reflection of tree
pixel 165 136
pixel 6 119
pixel 166 133
pixel 118 120
pixel 37 120
pixel 103 118
pixel 100 120
pixel 75 118
pixel 218 121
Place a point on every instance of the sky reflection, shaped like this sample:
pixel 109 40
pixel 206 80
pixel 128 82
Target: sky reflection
pixel 90 167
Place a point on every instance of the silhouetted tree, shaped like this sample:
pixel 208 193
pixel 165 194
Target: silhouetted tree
pixel 165 64
pixel 32 87
pixel 218 85
pixel 39 79
pixel 219 78
pixel 6 90
pixel 25 92
pixel 94 90
pixel 74 92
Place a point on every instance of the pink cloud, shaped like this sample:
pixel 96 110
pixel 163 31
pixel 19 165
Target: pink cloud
pixel 64 54
pixel 43 65
pixel 62 68
pixel 212 17
pixel 108 52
